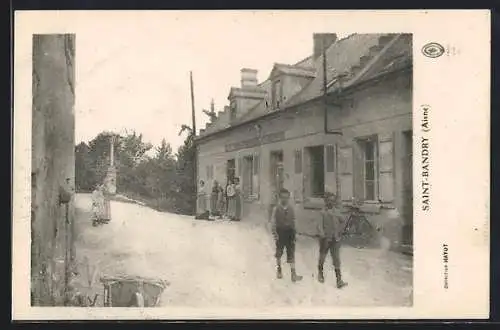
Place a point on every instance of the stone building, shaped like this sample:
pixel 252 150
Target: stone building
pixel 354 140
pixel 52 168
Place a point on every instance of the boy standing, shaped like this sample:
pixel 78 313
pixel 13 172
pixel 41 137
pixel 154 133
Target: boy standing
pixel 330 232
pixel 283 229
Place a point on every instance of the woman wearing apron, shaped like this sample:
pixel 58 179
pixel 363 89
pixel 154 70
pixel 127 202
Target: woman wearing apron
pixel 214 197
pixel 237 200
pixel 231 208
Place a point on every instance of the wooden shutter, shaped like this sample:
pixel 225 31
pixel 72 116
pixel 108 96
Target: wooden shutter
pixel 386 167
pixel 330 158
pixel 255 177
pixel 346 172
pixel 298 161
pixel 306 175
pixel 239 167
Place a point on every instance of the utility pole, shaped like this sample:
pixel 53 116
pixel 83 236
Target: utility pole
pixel 193 136
pixel 192 103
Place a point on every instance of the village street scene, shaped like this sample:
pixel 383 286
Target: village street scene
pixel 293 188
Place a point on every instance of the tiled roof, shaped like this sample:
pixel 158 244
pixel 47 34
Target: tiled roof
pixel 341 57
pixel 294 70
pixel 398 55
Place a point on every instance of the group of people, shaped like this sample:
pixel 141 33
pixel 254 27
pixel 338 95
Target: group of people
pixel 330 230
pixel 223 201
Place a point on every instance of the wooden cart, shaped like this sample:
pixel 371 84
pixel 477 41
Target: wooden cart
pixel 132 291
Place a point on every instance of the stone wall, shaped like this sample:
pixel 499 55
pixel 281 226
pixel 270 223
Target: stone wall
pixel 53 167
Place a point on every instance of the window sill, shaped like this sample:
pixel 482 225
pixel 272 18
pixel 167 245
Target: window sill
pixel 251 198
pixel 314 203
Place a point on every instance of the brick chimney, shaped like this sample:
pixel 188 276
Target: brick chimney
pixel 248 78
pixel 321 40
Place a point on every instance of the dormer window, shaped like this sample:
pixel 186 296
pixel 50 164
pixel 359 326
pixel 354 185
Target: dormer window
pixel 277 94
pixel 232 108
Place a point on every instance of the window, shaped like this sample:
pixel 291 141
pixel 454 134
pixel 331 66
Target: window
pixel 277 170
pixel 231 169
pixel 210 172
pixel 250 175
pixel 316 171
pixel 277 94
pixel 233 110
pixel 330 159
pixel 369 175
pixel 298 161
pixel 247 176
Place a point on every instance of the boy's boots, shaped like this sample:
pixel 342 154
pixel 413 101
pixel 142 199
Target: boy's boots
pixel 340 283
pixel 279 274
pixel 295 277
pixel 321 277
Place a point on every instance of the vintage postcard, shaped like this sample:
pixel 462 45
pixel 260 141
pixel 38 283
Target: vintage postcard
pixel 251 165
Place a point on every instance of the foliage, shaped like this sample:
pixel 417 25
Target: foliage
pixel 165 180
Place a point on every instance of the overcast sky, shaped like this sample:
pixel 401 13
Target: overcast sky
pixel 133 70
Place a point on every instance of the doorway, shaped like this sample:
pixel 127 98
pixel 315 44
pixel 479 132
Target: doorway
pixel 316 169
pixel 407 199
pixel 277 171
pixel 231 170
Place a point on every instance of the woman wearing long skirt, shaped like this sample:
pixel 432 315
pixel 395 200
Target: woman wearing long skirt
pixel 231 208
pixel 97 206
pixel 237 200
pixel 221 202
pixel 202 198
pixel 214 196
pixel 107 205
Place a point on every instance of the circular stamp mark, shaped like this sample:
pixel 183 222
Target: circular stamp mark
pixel 433 50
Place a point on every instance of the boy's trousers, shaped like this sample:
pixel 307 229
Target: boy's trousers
pixel 329 245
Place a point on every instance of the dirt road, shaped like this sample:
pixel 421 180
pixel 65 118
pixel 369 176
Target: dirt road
pixel 229 263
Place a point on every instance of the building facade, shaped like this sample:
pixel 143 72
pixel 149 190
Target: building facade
pixel 354 140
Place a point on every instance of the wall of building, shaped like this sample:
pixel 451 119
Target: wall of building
pixel 53 162
pixel 383 109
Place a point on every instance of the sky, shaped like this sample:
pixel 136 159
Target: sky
pixel 132 71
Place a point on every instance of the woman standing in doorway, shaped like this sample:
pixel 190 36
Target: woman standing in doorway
pixel 237 200
pixel 214 196
pixel 231 207
pixel 221 199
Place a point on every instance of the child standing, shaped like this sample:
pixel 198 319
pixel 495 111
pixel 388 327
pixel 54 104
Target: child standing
pixel 330 232
pixel 283 230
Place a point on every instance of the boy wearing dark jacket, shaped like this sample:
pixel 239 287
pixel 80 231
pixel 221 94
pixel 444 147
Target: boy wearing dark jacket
pixel 330 232
pixel 283 229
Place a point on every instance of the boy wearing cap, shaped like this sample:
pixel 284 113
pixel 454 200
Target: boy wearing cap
pixel 283 229
pixel 330 232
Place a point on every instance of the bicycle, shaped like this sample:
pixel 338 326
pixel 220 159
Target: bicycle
pixel 358 229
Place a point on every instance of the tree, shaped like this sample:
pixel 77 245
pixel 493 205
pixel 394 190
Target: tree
pixel 165 180
pixel 85 178
pixel 185 181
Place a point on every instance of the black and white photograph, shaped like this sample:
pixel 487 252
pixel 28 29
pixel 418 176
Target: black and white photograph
pixel 228 160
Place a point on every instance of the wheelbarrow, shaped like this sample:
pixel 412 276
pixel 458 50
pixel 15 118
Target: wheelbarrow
pixel 132 291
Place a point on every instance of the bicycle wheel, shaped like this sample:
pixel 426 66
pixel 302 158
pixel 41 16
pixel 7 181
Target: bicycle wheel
pixel 366 229
pixel 349 228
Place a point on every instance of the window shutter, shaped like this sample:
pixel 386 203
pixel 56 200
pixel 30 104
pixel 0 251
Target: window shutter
pixel 238 167
pixel 386 167
pixel 255 177
pixel 298 161
pixel 330 158
pixel 346 172
pixel 255 164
